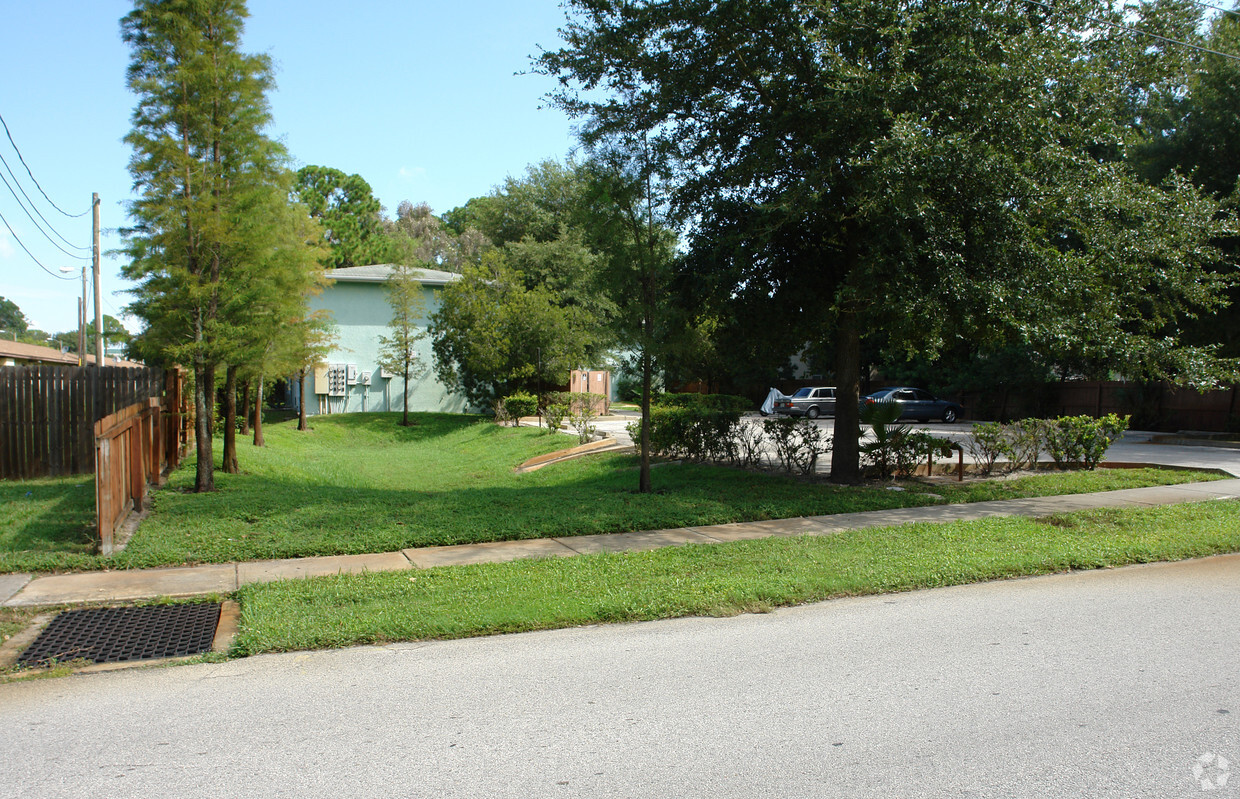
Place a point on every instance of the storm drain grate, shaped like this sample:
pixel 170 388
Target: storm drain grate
pixel 115 635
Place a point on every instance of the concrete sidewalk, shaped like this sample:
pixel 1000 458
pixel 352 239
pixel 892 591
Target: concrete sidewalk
pixel 128 585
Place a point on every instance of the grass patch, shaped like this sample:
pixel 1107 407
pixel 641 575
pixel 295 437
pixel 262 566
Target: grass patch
pixel 715 580
pixel 49 520
pixel 14 620
pixel 361 483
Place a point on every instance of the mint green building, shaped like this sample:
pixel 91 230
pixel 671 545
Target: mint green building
pixel 351 380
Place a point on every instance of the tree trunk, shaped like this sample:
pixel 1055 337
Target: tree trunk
pixel 301 401
pixel 204 408
pixel 230 420
pixel 245 408
pixel 643 478
pixel 845 447
pixel 405 418
pixel 258 414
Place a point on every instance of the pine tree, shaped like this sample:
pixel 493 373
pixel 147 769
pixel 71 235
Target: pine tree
pixel 201 164
pixel 398 351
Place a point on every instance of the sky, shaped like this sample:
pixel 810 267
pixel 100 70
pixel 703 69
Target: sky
pixel 424 99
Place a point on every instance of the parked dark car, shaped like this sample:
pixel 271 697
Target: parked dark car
pixel 810 402
pixel 917 403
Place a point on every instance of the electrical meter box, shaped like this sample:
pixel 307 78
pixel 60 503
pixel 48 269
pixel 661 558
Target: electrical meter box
pixel 336 380
pixel 351 374
pixel 364 379
pixel 385 374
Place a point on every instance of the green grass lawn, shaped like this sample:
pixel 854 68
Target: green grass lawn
pixel 361 483
pixel 715 579
pixel 47 520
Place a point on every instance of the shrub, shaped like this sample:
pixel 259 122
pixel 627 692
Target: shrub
pixel 668 433
pixel 692 432
pixel 555 411
pixel 520 405
pixel 797 442
pixel 986 444
pixel 581 412
pixel 1110 428
pixel 1082 439
pixel 718 402
pixel 897 450
pixel 628 387
pixel 500 411
pixel 918 447
pixel 634 429
pixel 716 431
pixel 1023 442
pixel 749 439
pixel 1065 441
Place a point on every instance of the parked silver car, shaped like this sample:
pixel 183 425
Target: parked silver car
pixel 810 402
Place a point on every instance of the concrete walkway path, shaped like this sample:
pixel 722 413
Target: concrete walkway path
pixel 223 578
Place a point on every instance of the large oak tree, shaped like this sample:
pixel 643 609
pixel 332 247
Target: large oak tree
pixel 929 171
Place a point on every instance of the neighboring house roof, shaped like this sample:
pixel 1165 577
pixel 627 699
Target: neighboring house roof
pixel 19 353
pixel 379 273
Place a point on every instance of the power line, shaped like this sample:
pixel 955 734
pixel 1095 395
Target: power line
pixel 36 224
pixel 31 174
pixel 115 311
pixel 35 207
pixel 1130 29
pixel 17 239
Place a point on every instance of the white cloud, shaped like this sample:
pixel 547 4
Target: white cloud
pixel 411 173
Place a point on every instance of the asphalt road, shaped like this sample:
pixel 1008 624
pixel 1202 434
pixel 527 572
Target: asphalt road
pixel 1121 683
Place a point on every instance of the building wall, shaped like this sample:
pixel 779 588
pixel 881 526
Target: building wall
pixel 593 381
pixel 361 313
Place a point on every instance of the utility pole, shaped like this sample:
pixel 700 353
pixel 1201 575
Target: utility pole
pixel 82 322
pixel 82 306
pixel 81 317
pixel 94 204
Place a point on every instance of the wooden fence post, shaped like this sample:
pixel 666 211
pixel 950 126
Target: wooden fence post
pixel 104 495
pixel 128 449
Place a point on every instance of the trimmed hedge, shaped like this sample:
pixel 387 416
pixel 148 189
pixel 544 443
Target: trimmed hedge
pixel 716 402
pixel 519 405
pixel 1069 440
pixel 696 433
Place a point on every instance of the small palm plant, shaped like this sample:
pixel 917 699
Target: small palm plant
pixel 882 452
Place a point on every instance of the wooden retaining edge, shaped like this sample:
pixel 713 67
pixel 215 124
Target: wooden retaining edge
pixel 565 454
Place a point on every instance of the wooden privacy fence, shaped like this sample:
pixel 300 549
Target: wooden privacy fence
pixel 1153 406
pixel 48 414
pixel 1157 406
pixel 129 450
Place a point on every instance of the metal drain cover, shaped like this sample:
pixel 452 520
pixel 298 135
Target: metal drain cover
pixel 115 635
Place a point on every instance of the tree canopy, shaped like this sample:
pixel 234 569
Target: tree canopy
pixel 349 213
pixel 492 335
pixel 12 320
pixel 421 237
